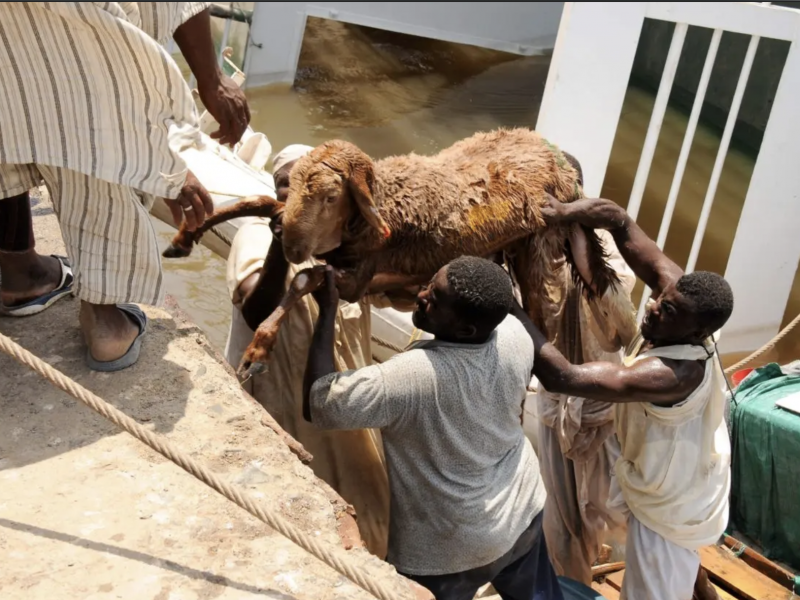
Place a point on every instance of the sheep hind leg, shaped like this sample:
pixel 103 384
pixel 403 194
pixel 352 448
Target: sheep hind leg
pixel 594 259
pixel 252 206
pixel 255 357
pixel 531 263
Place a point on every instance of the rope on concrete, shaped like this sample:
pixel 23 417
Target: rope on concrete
pixel 331 556
pixel 765 348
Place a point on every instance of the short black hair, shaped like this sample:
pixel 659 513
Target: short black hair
pixel 482 290
pixel 575 165
pixel 711 296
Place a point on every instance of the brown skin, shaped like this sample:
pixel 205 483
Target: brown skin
pixel 261 292
pixel 193 202
pixel 222 98
pixel 703 589
pixel 219 93
pixel 436 315
pixel 670 321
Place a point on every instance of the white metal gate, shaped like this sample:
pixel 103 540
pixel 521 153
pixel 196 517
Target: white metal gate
pixel 580 111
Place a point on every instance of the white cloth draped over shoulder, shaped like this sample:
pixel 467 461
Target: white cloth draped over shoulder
pixel 674 472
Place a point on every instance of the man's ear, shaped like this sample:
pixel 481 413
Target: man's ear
pixel 468 330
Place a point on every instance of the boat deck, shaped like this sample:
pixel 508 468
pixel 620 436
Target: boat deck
pixel 731 577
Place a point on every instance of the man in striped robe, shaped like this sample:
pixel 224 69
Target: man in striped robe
pixel 94 107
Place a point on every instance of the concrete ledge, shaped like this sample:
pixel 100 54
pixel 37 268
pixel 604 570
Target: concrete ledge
pixel 89 512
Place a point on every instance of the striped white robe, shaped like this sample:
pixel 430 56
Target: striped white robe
pixel 94 106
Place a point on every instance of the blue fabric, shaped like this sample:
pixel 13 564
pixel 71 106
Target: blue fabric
pixel 574 590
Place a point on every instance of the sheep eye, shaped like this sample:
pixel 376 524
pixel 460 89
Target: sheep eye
pixel 331 199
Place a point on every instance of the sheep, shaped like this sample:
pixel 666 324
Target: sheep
pixel 392 223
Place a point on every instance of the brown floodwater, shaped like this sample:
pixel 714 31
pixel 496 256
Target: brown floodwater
pixel 393 94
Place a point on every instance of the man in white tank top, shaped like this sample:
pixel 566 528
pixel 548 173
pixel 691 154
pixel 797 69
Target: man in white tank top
pixel 673 475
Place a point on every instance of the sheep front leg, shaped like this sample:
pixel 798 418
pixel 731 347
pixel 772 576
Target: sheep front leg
pixel 266 336
pixel 252 206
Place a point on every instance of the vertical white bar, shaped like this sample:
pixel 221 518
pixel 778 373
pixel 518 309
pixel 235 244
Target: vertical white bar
pixel 766 248
pixel 686 147
pixel 708 202
pixel 657 119
pixel 587 81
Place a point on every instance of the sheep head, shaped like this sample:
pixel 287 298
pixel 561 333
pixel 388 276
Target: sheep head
pixel 326 187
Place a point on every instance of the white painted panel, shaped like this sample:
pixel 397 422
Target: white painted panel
pixel 766 249
pixel 580 111
pixel 588 78
pixel 516 27
pixel 752 18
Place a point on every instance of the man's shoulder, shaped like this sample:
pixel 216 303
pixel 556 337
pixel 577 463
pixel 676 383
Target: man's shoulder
pixel 511 332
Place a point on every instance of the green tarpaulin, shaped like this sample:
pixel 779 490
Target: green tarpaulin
pixel 765 495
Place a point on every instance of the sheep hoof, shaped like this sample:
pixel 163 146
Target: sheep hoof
pixel 174 251
pixel 249 369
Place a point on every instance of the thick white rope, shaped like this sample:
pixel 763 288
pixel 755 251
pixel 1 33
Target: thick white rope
pixel 331 556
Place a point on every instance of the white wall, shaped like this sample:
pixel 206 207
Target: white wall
pixel 518 27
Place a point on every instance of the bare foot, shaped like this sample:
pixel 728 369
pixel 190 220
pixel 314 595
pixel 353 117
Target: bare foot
pixel 703 590
pixel 108 331
pixel 26 276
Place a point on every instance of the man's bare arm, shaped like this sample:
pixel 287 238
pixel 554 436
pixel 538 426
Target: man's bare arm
pixel 219 94
pixel 262 300
pixel 643 255
pixel 658 381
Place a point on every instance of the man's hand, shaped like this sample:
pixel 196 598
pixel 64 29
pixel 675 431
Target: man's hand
pixel 276 223
pixel 218 92
pixel 246 288
pixel 227 104
pixel 193 202
pixel 327 294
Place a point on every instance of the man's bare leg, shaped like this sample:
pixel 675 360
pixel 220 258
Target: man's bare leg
pixel 25 274
pixel 109 332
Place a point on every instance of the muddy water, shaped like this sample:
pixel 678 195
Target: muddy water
pixel 392 94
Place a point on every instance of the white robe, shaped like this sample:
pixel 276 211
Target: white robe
pixel 674 479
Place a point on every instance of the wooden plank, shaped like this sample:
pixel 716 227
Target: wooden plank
pixel 613 585
pixel 615 579
pixel 736 577
pixel 607 591
pixel 723 595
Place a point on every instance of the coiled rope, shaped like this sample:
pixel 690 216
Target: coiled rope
pixel 331 556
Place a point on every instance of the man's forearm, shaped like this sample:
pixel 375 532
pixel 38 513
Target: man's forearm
pixel 320 355
pixel 270 288
pixel 194 39
pixel 641 253
pixel 550 367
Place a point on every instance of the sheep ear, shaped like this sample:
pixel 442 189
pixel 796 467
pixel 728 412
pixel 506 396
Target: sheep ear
pixel 360 181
